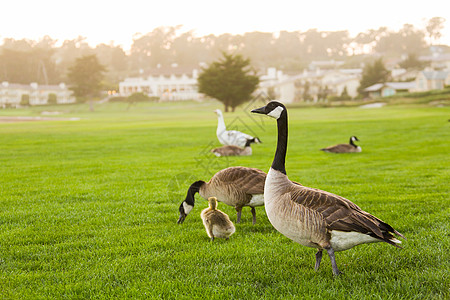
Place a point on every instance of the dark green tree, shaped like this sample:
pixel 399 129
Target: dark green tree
pixel 345 95
pixel 412 62
pixel 85 77
pixel 25 100
pixel 137 97
pixel 52 99
pixel 230 80
pixel 372 74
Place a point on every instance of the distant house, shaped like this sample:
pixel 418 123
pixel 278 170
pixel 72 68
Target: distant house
pixel 389 88
pixel 168 84
pixel 312 85
pixel 11 94
pixel 404 75
pixel 432 80
pixel 438 61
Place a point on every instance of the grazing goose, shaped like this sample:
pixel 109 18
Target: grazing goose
pixel 231 150
pixel 234 186
pixel 344 148
pixel 230 137
pixel 312 217
pixel 217 223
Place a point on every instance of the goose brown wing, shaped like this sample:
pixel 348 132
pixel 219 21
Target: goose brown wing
pixel 340 213
pixel 339 148
pixel 249 180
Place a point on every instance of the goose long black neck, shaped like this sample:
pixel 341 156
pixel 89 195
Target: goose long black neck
pixel 352 143
pixel 194 188
pixel 280 154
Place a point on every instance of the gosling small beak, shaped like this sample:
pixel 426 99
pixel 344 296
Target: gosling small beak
pixel 261 110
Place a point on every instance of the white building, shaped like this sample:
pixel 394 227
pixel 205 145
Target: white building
pixel 432 80
pixel 314 83
pixel 11 94
pixel 168 84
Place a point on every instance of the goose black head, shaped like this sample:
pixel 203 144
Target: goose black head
pixel 254 140
pixel 273 109
pixel 188 204
pixel 354 139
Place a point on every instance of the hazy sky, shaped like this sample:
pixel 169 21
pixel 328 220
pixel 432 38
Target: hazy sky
pixel 102 21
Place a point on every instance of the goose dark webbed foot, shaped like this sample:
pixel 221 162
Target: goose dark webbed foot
pixel 318 259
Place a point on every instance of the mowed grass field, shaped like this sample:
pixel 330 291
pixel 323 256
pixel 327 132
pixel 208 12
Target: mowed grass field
pixel 88 208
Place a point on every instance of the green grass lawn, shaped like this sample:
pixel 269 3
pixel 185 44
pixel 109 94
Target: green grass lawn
pixel 88 208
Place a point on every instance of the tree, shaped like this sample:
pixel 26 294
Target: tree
pixel 137 97
pixel 372 74
pixel 434 27
pixel 412 62
pixel 25 100
pixel 230 80
pixel 406 39
pixel 52 99
pixel 85 77
pixel 345 95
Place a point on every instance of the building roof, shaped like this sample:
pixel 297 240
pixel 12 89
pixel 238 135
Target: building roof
pixel 436 74
pixel 172 70
pixel 393 85
pixel 374 88
pixel 436 57
pixel 32 86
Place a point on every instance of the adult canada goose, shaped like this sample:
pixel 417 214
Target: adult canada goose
pixel 232 150
pixel 217 223
pixel 234 186
pixel 312 217
pixel 344 148
pixel 230 137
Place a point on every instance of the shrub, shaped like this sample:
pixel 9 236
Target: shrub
pixel 52 98
pixel 25 100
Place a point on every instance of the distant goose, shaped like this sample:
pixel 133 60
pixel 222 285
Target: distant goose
pixel 230 137
pixel 344 148
pixel 231 150
pixel 234 186
pixel 217 223
pixel 312 217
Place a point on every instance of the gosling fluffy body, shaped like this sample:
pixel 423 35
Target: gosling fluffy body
pixel 217 223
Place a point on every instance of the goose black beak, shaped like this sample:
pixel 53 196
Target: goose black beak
pixel 261 110
pixel 181 218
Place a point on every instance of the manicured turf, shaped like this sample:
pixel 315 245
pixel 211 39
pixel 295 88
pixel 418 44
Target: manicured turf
pixel 88 208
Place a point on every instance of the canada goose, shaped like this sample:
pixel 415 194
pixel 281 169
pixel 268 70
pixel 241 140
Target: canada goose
pixel 312 217
pixel 344 148
pixel 217 223
pixel 230 137
pixel 234 186
pixel 231 150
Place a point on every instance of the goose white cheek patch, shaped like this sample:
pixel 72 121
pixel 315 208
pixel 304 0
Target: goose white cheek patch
pixel 187 208
pixel 276 113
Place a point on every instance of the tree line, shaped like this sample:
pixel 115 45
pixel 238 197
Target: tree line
pixel 25 61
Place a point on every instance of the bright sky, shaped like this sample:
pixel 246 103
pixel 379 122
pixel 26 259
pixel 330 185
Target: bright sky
pixel 103 21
